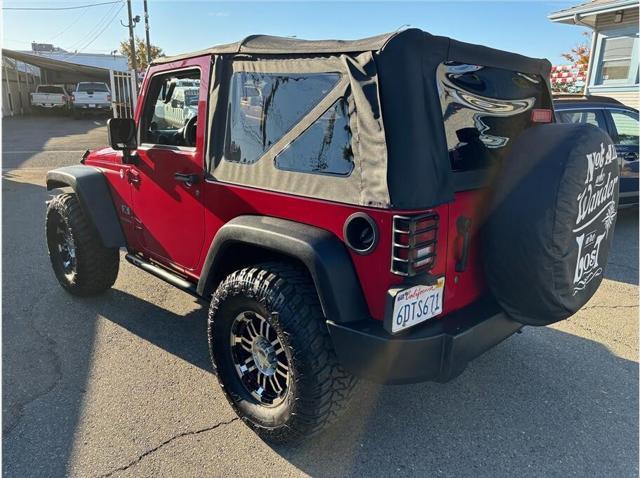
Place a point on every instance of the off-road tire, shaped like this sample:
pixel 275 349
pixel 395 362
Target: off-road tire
pixel 318 388
pixel 96 266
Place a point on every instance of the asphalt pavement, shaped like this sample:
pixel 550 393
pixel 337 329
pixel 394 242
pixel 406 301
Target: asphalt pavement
pixel 121 384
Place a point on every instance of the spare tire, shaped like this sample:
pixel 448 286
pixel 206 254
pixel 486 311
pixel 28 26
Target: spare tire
pixel 550 225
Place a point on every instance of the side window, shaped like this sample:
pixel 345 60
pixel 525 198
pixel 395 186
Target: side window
pixel 263 107
pixel 581 116
pixel 626 124
pixel 617 65
pixel 171 109
pixel 324 148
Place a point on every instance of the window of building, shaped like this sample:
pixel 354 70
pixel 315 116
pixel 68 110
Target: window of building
pixel 171 109
pixel 263 107
pixel 618 59
pixel 324 148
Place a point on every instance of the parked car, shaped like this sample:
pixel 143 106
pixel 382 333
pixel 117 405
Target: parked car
pixel 386 208
pixel 179 106
pixel 50 97
pixel 620 122
pixel 91 97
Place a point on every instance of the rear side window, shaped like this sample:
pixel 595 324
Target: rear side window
pixel 97 87
pixel 263 107
pixel 581 116
pixel 324 148
pixel 50 89
pixel 484 109
pixel 626 124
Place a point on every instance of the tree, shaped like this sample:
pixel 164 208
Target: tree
pixel 579 54
pixel 579 58
pixel 141 52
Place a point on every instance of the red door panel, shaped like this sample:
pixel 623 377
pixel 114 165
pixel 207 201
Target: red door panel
pixel 169 216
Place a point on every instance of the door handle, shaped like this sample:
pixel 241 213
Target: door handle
pixel 187 179
pixel 133 176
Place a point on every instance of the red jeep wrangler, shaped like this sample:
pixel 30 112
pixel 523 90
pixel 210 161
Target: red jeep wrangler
pixel 386 208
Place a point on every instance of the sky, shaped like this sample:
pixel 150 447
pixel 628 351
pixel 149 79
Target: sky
pixel 181 26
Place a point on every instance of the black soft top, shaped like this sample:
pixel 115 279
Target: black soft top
pixel 410 38
pixel 413 149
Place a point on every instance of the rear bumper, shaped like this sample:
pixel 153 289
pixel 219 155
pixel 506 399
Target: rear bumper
pixel 49 105
pixel 97 107
pixel 438 350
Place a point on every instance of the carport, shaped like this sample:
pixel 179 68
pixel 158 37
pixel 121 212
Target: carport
pixel 16 87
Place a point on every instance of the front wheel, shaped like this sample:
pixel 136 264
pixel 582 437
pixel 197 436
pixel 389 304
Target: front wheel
pixel 273 355
pixel 82 265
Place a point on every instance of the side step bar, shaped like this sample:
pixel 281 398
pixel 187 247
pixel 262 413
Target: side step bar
pixel 165 275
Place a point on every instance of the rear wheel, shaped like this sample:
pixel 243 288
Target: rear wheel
pixel 273 354
pixel 82 265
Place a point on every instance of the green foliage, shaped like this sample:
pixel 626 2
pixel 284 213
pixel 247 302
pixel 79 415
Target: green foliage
pixel 141 52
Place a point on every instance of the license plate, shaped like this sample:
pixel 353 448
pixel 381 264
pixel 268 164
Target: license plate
pixel 92 105
pixel 415 305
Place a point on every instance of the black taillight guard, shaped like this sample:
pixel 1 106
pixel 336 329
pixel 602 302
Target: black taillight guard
pixel 412 234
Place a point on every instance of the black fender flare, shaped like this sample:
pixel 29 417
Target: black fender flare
pixel 320 251
pixel 92 190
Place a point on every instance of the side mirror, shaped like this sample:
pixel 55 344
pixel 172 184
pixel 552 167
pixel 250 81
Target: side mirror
pixel 174 104
pixel 122 136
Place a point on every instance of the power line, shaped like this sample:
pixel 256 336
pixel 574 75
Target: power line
pixel 70 25
pixel 99 24
pixel 99 33
pixel 61 8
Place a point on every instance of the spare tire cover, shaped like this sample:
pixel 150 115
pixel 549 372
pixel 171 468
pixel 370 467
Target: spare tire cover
pixel 550 223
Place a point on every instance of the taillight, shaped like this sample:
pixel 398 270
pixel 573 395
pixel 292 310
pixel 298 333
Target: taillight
pixel 73 98
pixel 414 244
pixel 541 115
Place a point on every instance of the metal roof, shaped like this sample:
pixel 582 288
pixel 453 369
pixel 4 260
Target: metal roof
pixel 58 65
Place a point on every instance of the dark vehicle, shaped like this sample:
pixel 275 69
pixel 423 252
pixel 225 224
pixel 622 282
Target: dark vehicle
pixel 386 208
pixel 620 122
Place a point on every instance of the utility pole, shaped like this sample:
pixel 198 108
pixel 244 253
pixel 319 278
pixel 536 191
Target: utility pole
pixel 146 28
pixel 132 43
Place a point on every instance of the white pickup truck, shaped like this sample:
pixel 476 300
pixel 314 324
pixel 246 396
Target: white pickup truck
pixel 180 108
pixel 91 96
pixel 49 97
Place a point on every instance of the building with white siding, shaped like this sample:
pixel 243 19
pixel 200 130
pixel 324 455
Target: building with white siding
pixel 613 65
